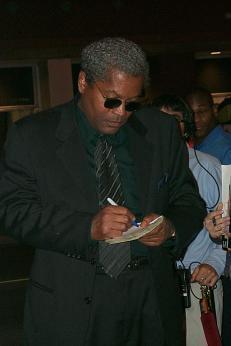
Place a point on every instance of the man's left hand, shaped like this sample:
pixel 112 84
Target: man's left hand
pixel 160 234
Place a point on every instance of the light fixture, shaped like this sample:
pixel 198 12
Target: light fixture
pixel 215 53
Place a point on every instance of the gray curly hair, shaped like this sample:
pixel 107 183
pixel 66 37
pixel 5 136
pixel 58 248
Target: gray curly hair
pixel 101 56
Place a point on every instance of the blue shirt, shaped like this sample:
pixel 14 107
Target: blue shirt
pixel 218 144
pixel 203 249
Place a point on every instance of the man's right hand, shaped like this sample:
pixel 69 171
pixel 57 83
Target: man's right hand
pixel 111 222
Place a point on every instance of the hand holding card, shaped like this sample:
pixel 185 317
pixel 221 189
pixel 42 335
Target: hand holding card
pixel 135 233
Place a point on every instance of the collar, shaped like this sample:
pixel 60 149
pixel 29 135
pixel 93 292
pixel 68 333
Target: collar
pixel 212 136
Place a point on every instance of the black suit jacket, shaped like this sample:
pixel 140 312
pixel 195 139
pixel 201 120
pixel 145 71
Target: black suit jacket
pixel 48 199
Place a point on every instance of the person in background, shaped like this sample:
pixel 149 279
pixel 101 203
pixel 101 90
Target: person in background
pixel 53 195
pixel 224 114
pixel 204 258
pixel 211 138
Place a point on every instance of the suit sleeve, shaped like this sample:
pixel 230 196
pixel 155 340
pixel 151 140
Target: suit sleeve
pixel 23 215
pixel 185 209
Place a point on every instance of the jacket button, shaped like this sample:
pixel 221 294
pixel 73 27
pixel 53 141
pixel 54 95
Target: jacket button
pixel 88 300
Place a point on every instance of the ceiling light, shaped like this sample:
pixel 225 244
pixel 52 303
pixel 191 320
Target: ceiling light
pixel 215 53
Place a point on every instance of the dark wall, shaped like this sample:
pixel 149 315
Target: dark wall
pixel 172 73
pixel 179 72
pixel 214 74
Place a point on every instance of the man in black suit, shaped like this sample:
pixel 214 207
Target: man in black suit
pixel 50 199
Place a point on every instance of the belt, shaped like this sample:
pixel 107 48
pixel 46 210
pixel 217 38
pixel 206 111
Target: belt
pixel 136 263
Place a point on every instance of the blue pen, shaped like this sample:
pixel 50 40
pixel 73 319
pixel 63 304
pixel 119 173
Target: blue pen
pixel 134 222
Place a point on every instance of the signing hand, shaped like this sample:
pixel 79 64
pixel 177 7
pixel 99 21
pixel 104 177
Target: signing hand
pixel 205 274
pixel 160 234
pixel 111 222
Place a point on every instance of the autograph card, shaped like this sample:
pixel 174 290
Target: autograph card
pixel 134 232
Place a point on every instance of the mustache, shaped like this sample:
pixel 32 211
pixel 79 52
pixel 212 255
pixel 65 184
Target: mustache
pixel 118 118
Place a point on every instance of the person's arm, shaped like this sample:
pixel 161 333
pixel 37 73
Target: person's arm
pixel 208 175
pixel 213 264
pixel 177 199
pixel 186 209
pixel 23 215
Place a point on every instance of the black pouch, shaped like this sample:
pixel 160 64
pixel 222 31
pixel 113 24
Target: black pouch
pixel 226 243
pixel 184 277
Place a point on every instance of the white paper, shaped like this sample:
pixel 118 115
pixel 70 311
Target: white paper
pixel 226 188
pixel 134 232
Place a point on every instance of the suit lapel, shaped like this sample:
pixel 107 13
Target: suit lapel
pixel 72 153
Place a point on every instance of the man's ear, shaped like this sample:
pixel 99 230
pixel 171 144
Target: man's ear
pixel 82 83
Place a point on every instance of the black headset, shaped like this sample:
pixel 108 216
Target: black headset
pixel 188 119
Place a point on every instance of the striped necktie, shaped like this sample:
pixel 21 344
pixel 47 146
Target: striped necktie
pixel 113 258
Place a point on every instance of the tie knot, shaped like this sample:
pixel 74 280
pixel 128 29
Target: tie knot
pixel 102 140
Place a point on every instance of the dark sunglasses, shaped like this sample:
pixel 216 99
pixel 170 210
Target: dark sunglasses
pixel 114 102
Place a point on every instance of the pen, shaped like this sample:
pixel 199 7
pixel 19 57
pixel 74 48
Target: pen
pixel 110 201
